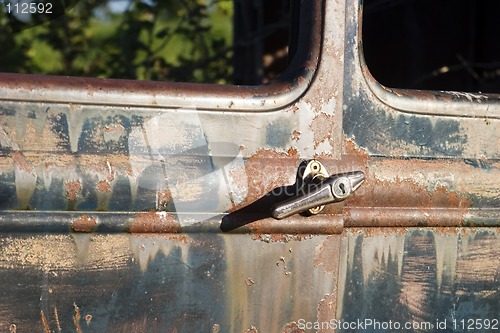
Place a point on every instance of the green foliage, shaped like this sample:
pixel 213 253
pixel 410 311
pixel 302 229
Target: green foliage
pixel 182 40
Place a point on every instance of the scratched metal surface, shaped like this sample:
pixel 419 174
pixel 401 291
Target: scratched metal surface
pixel 133 207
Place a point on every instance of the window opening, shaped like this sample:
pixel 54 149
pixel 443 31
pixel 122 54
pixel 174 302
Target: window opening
pixel 433 45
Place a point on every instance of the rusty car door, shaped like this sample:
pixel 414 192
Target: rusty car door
pixel 132 206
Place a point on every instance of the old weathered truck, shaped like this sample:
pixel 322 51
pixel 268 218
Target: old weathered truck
pixel 130 206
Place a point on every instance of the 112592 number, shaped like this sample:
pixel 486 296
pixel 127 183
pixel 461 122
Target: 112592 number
pixel 475 324
pixel 29 8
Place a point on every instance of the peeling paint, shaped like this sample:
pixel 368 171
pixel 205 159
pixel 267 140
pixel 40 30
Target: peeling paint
pixel 322 126
pixel 325 253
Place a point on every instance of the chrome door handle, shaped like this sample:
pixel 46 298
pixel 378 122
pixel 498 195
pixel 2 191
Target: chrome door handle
pixel 318 190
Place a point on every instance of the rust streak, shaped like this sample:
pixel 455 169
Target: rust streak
pixel 326 311
pixel 76 319
pixel 21 162
pixel 154 222
pixel 56 316
pixel 44 322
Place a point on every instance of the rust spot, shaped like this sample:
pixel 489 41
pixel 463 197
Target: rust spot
pixel 292 152
pixel 84 224
pixel 72 188
pixel 153 222
pixel 326 311
pixel 13 328
pixel 164 198
pixel 292 328
pixel 88 319
pixel 301 80
pixel 215 328
pixel 322 126
pixel 252 329
pixel 281 260
pixel 103 186
pixel 249 282
pixel 296 135
pixel 326 254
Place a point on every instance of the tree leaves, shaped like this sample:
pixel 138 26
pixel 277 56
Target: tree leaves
pixel 147 40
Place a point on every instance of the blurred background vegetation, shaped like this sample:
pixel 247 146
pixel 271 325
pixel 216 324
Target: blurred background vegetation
pixel 181 40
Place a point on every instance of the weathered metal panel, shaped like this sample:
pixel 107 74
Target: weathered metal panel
pixel 130 206
pixel 162 283
pixel 442 279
